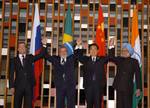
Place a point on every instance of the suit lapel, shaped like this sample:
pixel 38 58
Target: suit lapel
pixel 59 60
pixel 91 60
pixel 25 59
pixel 19 61
pixel 97 58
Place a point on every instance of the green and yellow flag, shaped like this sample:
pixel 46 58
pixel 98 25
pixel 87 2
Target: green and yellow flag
pixel 67 37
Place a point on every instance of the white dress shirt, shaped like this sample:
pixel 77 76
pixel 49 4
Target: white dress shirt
pixel 21 56
pixel 93 59
pixel 63 60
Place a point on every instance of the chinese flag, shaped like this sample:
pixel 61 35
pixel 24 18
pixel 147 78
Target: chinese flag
pixel 100 37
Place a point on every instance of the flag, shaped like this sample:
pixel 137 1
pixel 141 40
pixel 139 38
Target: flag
pixel 67 37
pixel 35 48
pixel 100 37
pixel 135 42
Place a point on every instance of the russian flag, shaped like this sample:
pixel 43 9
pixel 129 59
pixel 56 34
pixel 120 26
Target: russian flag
pixel 35 48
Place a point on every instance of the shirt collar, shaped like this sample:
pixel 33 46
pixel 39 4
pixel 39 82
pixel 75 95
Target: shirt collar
pixel 20 55
pixel 93 57
pixel 63 58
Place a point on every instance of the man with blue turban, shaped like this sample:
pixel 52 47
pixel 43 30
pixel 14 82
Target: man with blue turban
pixel 127 68
pixel 127 50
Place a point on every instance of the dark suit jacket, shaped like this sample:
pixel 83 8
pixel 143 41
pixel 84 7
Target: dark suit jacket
pixel 89 67
pixel 68 69
pixel 126 68
pixel 23 74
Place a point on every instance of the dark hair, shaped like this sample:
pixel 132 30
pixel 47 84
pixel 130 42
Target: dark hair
pixel 62 46
pixel 94 44
pixel 22 43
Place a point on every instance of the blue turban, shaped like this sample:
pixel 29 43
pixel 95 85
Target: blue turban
pixel 129 47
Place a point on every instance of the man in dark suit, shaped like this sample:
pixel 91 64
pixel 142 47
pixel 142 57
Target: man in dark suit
pixel 94 76
pixel 64 77
pixel 22 76
pixel 127 67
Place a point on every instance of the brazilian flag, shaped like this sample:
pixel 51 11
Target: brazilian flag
pixel 67 37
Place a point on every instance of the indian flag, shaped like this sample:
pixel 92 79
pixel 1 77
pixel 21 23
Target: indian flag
pixel 135 42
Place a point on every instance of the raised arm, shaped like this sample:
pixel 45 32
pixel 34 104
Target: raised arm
pixel 111 51
pixel 50 58
pixel 40 55
pixel 113 58
pixel 79 51
pixel 42 51
pixel 80 57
